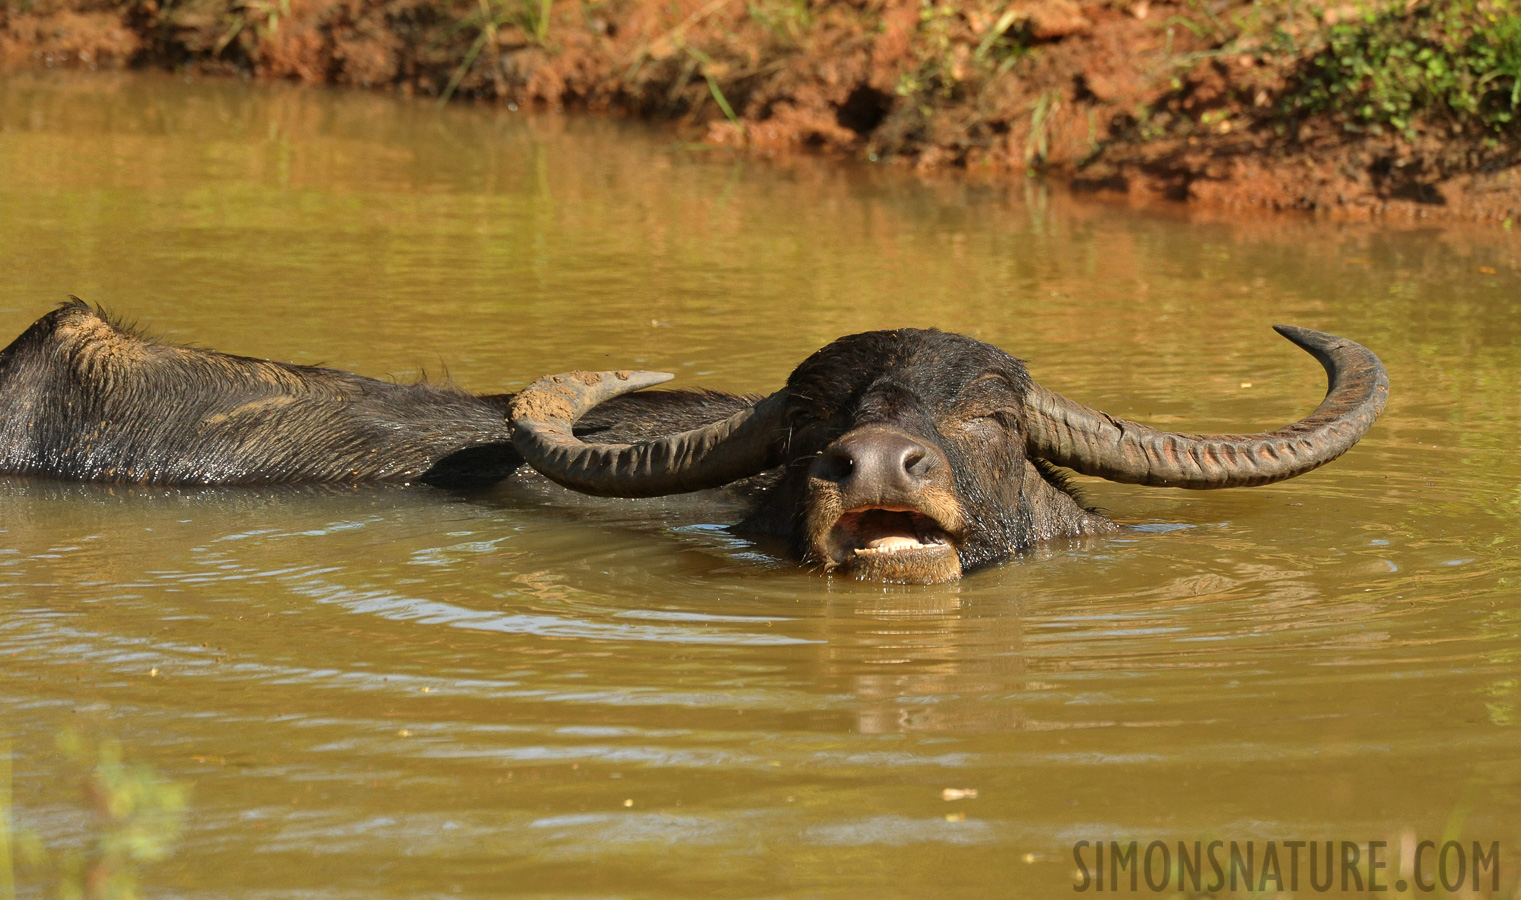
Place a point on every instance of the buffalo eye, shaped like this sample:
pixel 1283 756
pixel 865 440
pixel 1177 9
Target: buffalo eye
pixel 984 422
pixel 808 438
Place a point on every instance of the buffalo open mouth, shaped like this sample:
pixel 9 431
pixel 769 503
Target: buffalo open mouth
pixel 895 544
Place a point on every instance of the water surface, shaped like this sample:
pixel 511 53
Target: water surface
pixel 404 692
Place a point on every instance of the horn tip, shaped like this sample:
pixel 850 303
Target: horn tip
pixel 635 380
pixel 1306 337
pixel 568 395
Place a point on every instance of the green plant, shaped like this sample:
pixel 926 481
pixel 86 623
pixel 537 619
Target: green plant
pixel 787 20
pixel 961 45
pixel 937 72
pixel 536 21
pixel 708 67
pixel 264 15
pixel 487 19
pixel 137 819
pixel 1390 67
pixel 1038 146
pixel 1003 44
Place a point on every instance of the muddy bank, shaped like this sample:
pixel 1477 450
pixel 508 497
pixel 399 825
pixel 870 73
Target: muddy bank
pixel 1353 111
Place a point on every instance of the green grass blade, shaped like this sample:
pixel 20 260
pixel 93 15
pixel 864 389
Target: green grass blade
pixel 722 101
pixel 541 27
pixel 464 68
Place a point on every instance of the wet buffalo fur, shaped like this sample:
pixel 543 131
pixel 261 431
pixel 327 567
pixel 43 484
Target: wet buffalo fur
pixel 84 398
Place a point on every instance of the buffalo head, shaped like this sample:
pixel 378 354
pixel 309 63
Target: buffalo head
pixel 913 456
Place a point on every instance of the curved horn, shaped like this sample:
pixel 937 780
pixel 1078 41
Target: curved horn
pixel 1094 443
pixel 742 445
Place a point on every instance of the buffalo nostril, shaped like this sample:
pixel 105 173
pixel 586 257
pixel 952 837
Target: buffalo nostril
pixel 839 463
pixel 917 463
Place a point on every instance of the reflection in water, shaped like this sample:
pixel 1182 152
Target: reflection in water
pixel 431 693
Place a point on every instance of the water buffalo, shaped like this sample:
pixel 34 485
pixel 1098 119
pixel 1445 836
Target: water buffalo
pixel 905 456
pixel 913 456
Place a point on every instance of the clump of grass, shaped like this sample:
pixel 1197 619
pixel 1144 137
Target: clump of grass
pixel 706 64
pixel 788 21
pixel 489 17
pixel 264 15
pixel 137 820
pixel 1038 146
pixel 960 45
pixel 1393 66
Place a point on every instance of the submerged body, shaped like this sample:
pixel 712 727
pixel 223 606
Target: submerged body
pixel 84 398
pixel 905 455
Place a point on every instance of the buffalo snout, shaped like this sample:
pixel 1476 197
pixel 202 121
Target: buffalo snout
pixel 878 465
pixel 881 504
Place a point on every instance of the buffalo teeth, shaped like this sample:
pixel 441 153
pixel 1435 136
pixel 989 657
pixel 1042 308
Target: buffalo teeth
pixel 898 543
pixel 891 544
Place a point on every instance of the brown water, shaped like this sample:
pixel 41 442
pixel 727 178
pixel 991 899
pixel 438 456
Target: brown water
pixel 401 692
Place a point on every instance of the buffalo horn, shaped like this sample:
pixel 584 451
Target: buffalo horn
pixel 1095 443
pixel 742 445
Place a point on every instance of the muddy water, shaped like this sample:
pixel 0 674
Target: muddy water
pixel 403 692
